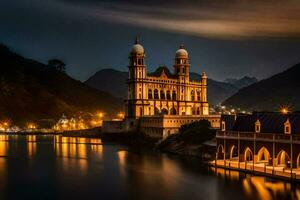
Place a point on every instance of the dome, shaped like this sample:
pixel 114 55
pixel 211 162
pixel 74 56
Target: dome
pixel 137 49
pixel 181 53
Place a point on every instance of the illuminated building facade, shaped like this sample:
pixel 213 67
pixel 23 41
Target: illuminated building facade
pixel 159 103
pixel 263 142
pixel 163 92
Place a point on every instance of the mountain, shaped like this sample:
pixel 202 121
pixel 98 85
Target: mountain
pixel 30 90
pixel 270 94
pixel 243 82
pixel 114 82
pixel 111 81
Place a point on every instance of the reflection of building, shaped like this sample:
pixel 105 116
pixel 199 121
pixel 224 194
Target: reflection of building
pixel 159 103
pixel 266 142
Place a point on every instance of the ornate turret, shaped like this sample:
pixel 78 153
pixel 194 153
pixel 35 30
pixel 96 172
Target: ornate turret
pixel 181 65
pixel 137 73
pixel 137 68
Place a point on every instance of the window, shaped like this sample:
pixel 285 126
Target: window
pixel 168 95
pixel 223 128
pixel 257 126
pixel 162 95
pixel 192 95
pixel 198 96
pixel 150 94
pixel 174 95
pixel 155 94
pixel 287 127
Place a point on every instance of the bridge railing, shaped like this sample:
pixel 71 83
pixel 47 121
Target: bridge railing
pixel 259 136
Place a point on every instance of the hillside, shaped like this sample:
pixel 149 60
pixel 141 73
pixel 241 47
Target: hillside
pixel 114 82
pixel 30 90
pixel 270 94
pixel 111 81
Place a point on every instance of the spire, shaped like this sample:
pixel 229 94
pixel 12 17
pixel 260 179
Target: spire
pixel 181 46
pixel 137 39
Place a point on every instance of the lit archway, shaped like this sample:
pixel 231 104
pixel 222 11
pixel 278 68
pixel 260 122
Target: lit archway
pixel 263 155
pixel 283 158
pixel 220 152
pixel 248 155
pixel 298 161
pixel 233 153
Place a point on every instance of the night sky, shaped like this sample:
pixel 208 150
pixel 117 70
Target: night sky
pixel 224 38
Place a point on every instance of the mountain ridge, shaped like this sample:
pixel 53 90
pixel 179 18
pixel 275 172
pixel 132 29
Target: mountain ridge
pixel 271 93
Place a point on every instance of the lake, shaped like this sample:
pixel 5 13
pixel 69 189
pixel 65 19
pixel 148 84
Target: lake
pixel 55 167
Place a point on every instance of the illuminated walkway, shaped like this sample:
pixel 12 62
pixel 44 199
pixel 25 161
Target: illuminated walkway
pixel 259 168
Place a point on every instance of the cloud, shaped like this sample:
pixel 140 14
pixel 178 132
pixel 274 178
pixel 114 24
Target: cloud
pixel 222 20
pixel 230 19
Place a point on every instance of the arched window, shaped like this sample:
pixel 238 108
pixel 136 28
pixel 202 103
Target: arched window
pixel 150 94
pixel 193 95
pixel 257 126
pixel 162 95
pixel 198 96
pixel 173 111
pixel 174 95
pixel 168 95
pixel 287 127
pixel 155 94
pixel 164 111
pixel 183 70
pixel 223 126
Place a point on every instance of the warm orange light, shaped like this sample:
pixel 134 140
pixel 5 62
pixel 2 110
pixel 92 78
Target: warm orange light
pixel 284 110
pixel 100 114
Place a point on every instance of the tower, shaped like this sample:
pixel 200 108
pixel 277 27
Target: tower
pixel 137 73
pixel 181 65
pixel 205 109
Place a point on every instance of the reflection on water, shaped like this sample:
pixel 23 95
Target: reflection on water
pixel 261 187
pixel 73 151
pixel 68 167
pixel 31 145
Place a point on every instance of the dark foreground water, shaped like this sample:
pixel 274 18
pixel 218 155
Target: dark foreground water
pixel 53 167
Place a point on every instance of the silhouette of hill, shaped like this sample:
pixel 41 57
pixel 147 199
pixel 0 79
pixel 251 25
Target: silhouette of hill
pixel 270 94
pixel 30 90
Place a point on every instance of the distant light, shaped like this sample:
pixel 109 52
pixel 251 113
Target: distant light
pixel 284 110
pixel 100 114
pixel 232 111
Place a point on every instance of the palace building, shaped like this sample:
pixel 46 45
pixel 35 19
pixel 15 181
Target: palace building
pixel 159 103
pixel 163 92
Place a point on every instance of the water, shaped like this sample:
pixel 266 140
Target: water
pixel 53 167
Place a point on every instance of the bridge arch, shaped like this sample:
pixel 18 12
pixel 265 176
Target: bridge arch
pixel 263 155
pixel 233 152
pixel 283 158
pixel 248 155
